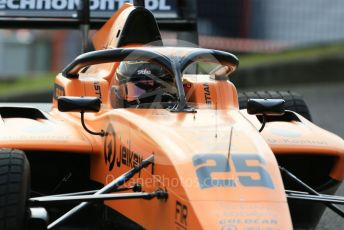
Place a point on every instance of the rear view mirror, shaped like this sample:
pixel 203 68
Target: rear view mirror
pixel 267 107
pixel 82 105
pixel 79 104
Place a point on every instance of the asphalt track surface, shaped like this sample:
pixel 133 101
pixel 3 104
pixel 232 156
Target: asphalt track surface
pixel 326 104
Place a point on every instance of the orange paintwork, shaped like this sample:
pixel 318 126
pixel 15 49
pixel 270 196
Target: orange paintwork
pixel 106 36
pixel 218 129
pixel 303 137
pixel 185 135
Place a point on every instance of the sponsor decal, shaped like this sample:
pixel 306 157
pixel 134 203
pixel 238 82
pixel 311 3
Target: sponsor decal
pixel 248 216
pixel 58 90
pixel 98 89
pixel 286 132
pixel 229 227
pixel 249 223
pixel 144 72
pixel 97 7
pixel 181 215
pixel 128 157
pixel 110 147
pixel 289 141
pixel 207 96
pixel 118 154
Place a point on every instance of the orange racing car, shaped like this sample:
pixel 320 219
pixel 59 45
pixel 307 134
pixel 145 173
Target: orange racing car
pixel 142 136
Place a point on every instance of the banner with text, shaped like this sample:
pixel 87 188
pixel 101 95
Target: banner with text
pixel 68 8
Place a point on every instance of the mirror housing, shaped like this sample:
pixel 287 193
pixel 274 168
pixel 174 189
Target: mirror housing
pixel 266 107
pixel 82 105
pixel 78 104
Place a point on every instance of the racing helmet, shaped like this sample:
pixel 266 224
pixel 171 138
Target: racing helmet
pixel 144 82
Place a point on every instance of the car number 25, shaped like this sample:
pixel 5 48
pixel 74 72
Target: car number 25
pixel 206 164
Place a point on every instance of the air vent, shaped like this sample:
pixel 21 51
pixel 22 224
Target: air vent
pixel 21 112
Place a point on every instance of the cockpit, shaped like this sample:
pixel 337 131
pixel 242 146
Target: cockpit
pixel 177 79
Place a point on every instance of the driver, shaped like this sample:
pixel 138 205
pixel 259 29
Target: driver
pixel 142 82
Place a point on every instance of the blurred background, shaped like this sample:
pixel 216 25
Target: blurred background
pixel 278 42
pixel 281 44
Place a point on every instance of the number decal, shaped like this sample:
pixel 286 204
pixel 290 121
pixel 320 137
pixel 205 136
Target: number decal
pixel 204 172
pixel 219 163
pixel 241 166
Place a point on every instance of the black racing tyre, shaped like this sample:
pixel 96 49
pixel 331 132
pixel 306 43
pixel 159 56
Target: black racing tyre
pixel 293 101
pixel 14 189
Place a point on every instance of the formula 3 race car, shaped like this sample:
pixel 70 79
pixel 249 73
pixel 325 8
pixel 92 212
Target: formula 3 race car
pixel 142 136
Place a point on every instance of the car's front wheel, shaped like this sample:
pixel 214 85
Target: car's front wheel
pixel 14 189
